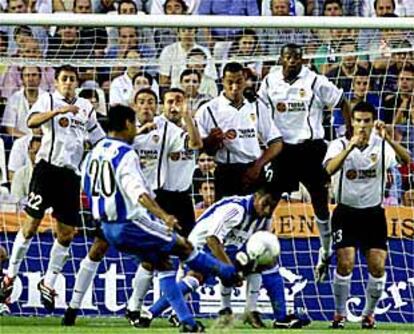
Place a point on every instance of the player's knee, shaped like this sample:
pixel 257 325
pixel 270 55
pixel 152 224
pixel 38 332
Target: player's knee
pixel 183 248
pixel 30 228
pixel 147 266
pixel 377 270
pixel 98 250
pixel 345 267
pixel 65 237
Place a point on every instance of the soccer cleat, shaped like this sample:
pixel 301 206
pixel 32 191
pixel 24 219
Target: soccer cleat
pixel 132 317
pixel 338 322
pixel 368 322
pixel 173 320
pixel 6 289
pixel 144 320
pixel 291 321
pixel 197 328
pixel 254 319
pixel 69 318
pixel 47 296
pixel 225 318
pixel 322 267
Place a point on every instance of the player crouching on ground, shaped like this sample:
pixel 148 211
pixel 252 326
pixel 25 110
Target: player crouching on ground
pixel 359 168
pixel 223 230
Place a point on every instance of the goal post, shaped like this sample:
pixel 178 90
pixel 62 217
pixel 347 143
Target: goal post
pixel 349 50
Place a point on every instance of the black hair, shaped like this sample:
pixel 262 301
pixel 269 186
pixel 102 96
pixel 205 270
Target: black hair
pixel 329 2
pixel 67 68
pixel 145 75
pixel 117 117
pixel 23 30
pixel 361 72
pixel 376 3
pixel 364 107
pixel 88 93
pixel 240 34
pixel 189 71
pixel 196 52
pixel 172 90
pixel 292 46
pixel 35 139
pixel 390 15
pixel 145 91
pixel 182 2
pixel 39 70
pixel 408 67
pixel 127 2
pixel 232 67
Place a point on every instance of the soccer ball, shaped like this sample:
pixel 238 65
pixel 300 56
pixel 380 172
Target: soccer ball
pixel 263 247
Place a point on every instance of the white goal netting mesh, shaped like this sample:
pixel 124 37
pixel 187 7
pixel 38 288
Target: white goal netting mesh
pixel 371 65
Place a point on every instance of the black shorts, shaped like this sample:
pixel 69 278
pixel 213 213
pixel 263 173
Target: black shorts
pixel 360 228
pixel 299 163
pixel 57 188
pixel 180 205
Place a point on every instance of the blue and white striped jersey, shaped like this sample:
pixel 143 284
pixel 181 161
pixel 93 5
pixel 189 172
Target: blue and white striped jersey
pixel 113 181
pixel 232 220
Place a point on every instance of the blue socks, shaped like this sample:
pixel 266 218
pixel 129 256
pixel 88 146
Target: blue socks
pixel 186 285
pixel 208 265
pixel 275 287
pixel 174 297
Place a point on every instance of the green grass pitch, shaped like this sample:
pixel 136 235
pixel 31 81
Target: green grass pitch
pixel 51 325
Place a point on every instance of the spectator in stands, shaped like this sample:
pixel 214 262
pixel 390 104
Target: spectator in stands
pixel 408 198
pixel 207 192
pixel 96 39
pixel 4 43
pixel 144 79
pixel 225 7
pixel 173 58
pixel 19 104
pixel 21 181
pixel 287 7
pixel 245 45
pixel 68 44
pixel 13 79
pixel 166 36
pixel 162 6
pixel 197 60
pixel 190 83
pixel 19 156
pixel 348 7
pixel 204 171
pixel 3 172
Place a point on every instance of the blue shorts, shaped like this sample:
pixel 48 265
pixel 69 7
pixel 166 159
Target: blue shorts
pixel 150 240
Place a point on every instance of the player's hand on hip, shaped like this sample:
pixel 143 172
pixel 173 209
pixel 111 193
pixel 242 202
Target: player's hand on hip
pixel 69 108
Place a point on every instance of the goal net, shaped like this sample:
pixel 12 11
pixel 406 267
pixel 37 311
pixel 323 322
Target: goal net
pixel 117 55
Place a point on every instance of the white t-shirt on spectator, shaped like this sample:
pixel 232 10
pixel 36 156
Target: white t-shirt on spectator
pixel 19 155
pixel 3 171
pixel 16 111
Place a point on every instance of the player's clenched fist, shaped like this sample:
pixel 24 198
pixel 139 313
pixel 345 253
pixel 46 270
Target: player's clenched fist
pixel 214 141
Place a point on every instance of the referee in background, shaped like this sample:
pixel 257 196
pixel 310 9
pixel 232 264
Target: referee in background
pixel 232 127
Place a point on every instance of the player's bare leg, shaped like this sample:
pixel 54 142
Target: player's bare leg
pixel 377 278
pixel 342 284
pixel 58 256
pixel 87 271
pixel 20 247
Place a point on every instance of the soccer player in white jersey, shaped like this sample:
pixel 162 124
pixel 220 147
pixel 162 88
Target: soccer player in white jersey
pixel 297 97
pixel 231 126
pixel 131 219
pixel 359 168
pixel 66 122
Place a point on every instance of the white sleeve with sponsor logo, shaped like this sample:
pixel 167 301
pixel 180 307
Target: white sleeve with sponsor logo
pixel 327 92
pixel 335 147
pixel 266 127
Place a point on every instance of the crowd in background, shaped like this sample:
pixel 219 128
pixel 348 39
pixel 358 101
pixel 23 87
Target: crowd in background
pixel 371 65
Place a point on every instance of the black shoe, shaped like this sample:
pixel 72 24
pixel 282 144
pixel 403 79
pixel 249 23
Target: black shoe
pixel 291 321
pixel 173 320
pixel 47 296
pixel 132 317
pixel 197 328
pixel 6 289
pixel 225 318
pixel 368 322
pixel 254 319
pixel 144 320
pixel 69 318
pixel 338 322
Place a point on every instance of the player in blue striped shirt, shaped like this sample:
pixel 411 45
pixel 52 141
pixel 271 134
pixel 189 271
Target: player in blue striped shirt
pixel 133 222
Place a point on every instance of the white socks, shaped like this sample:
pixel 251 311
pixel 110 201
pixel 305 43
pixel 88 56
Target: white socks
pixel 341 288
pixel 373 293
pixel 84 278
pixel 325 236
pixel 19 251
pixel 254 282
pixel 225 299
pixel 58 256
pixel 141 283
